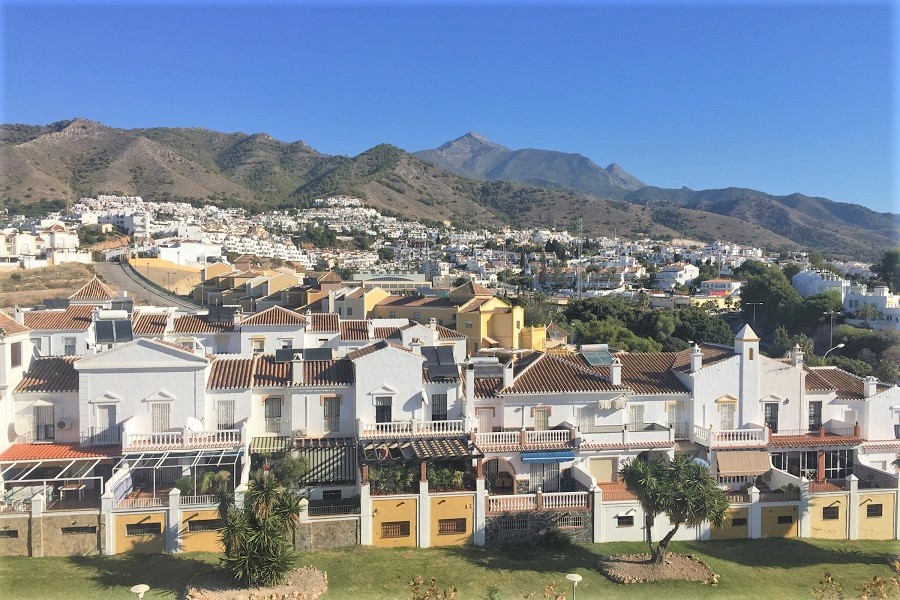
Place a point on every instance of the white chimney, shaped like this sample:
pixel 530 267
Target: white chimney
pixel 470 382
pixel 297 368
pixel 696 358
pixel 416 347
pixel 432 322
pixel 797 356
pixel 870 386
pixel 20 316
pixel 615 371
pixel 508 373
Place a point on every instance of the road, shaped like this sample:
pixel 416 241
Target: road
pixel 120 278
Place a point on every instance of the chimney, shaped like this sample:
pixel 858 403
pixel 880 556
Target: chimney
pixel 20 316
pixel 297 368
pixel 432 322
pixel 797 356
pixel 416 346
pixel 615 371
pixel 470 382
pixel 370 327
pixel 696 358
pixel 508 373
pixel 870 386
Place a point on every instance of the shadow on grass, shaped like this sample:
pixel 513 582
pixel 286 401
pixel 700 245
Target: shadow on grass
pixel 784 553
pixel 162 572
pixel 528 558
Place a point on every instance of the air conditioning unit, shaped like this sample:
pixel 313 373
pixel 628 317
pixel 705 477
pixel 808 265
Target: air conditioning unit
pixel 299 433
pixel 63 425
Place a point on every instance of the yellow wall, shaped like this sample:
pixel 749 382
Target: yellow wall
pixel 603 469
pixel 832 529
pixel 770 525
pixel 143 543
pixel 877 528
pixel 452 507
pixel 199 541
pixel 729 531
pixel 534 338
pixel 394 509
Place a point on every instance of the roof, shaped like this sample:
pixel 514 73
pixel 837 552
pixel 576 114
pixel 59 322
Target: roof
pixel 199 324
pixel 144 323
pixel 9 326
pixel 540 373
pixel 847 386
pixel 712 354
pixel 324 322
pixel 449 448
pixel 24 452
pixel 330 277
pixel 387 333
pixel 742 462
pixel 813 441
pixel 470 289
pixel 275 316
pixel 445 333
pixel 261 370
pixel 355 330
pixel 379 345
pixel 487 387
pixel 747 334
pixel 94 290
pixel 77 317
pixel 46 375
pixel 422 302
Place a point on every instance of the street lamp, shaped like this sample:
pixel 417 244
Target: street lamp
pixel 839 346
pixel 831 314
pixel 574 578
pixel 754 305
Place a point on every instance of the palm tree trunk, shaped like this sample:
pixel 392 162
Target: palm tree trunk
pixel 660 555
pixel 648 525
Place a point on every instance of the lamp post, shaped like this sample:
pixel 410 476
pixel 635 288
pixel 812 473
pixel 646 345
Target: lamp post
pixel 839 346
pixel 574 578
pixel 754 305
pixel 831 314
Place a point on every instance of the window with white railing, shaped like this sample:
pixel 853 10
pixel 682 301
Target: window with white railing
pixel 273 414
pixel 44 424
pixel 439 407
pixel 161 415
pixel 225 414
pixel 383 409
pixel 331 407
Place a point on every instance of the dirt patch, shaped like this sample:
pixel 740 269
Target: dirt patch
pixel 306 583
pixel 29 287
pixel 637 568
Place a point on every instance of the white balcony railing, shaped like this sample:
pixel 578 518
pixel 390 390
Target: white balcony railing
pixel 513 503
pixel 539 501
pixel 222 438
pixel 723 438
pixel 548 436
pixel 203 500
pixel 620 434
pixel 565 500
pixel 497 438
pixel 401 429
pixel 151 502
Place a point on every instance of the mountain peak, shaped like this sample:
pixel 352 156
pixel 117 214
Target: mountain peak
pixel 472 142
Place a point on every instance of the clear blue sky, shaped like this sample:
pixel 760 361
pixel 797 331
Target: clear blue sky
pixel 783 97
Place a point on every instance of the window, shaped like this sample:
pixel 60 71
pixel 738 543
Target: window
pixel 44 424
pixel 85 530
pixel 838 464
pixel 196 525
pixel 273 415
pixel 636 417
pixel 15 354
pixel 513 524
pixel 815 415
pixel 571 521
pixel 626 521
pixel 225 414
pixel 383 409
pixel 416 315
pixel 331 407
pixel 739 522
pixel 258 345
pixel 831 513
pixel 485 418
pixel 451 526
pixel 439 407
pixel 349 311
pixel 771 416
pixel 394 529
pixel 541 419
pixel 143 529
pixel 9 533
pixel 785 519
pixel 285 343
pixel 518 324
pixel 751 353
pixel 873 510
pixel 544 476
pixel 69 346
pixel 161 414
pixel 726 410
pixel 392 314
pixel 331 496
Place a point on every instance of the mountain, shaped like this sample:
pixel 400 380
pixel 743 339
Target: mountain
pixel 473 155
pixel 43 164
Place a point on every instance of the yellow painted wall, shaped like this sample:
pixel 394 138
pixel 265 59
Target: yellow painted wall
pixel 143 543
pixel 770 525
pixel 603 469
pixel 729 531
pixel 831 529
pixel 877 528
pixel 534 338
pixel 452 507
pixel 394 509
pixel 199 541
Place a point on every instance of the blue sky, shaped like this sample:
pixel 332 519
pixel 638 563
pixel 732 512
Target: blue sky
pixel 782 97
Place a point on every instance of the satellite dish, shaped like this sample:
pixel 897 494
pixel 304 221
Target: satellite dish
pixel 194 425
pixel 21 426
pixel 701 462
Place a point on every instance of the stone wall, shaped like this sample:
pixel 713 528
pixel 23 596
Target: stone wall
pixel 80 542
pixel 511 529
pixel 319 534
pixel 21 525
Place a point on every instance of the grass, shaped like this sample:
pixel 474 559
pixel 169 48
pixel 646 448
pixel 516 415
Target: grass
pixel 32 286
pixel 773 568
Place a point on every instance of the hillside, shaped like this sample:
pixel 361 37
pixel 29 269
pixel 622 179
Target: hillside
pixel 81 158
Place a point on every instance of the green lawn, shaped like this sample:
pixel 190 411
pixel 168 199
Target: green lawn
pixel 749 569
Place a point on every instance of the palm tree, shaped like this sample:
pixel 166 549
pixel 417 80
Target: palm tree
pixel 680 488
pixel 866 313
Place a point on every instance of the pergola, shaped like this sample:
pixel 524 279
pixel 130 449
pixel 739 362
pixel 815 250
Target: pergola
pixel 185 460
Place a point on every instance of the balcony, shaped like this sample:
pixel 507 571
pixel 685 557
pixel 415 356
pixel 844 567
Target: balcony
pixel 410 429
pixel 540 501
pixel 835 429
pixel 177 440
pixel 525 439
pixel 730 438
pixel 649 435
pixel 101 436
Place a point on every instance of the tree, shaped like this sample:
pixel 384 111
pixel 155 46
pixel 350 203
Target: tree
pixel 867 312
pixel 257 551
pixel 888 270
pixel 681 488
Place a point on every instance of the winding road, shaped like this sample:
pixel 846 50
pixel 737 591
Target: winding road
pixel 119 276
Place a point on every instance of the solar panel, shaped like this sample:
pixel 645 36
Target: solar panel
pixel 317 353
pixel 104 332
pixel 443 372
pixel 598 358
pixel 126 305
pixel 122 331
pixel 286 354
pixel 429 353
pixel 445 355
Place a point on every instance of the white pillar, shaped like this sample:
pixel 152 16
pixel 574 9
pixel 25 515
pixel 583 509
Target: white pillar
pixel 37 527
pixel 106 513
pixel 853 507
pixel 754 515
pixel 597 536
pixel 805 529
pixel 897 507
pixel 239 493
pixel 173 522
pixel 479 524
pixel 424 511
pixel 365 516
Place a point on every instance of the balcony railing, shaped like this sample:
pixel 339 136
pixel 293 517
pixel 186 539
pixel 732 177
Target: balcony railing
pixel 204 500
pixel 539 501
pixel 547 436
pixel 225 438
pixel 513 503
pixel 497 438
pixel 624 434
pixel 523 438
pixel 102 436
pixel 413 428
pixel 730 437
pixel 151 502
pixel 822 430
pixel 559 500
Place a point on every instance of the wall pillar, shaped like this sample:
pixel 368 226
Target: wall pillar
pixel 754 515
pixel 108 545
pixel 597 506
pixel 853 507
pixel 424 513
pixel 820 473
pixel 365 515
pixel 173 522
pixel 805 528
pixel 239 493
pixel 897 507
pixel 480 506
pixel 37 529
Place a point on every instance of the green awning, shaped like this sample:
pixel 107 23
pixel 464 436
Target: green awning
pixel 270 444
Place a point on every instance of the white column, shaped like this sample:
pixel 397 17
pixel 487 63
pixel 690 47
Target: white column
pixel 106 513
pixel 853 507
pixel 424 511
pixel 480 501
pixel 37 527
pixel 805 529
pixel 754 515
pixel 365 516
pixel 897 508
pixel 598 514
pixel 173 522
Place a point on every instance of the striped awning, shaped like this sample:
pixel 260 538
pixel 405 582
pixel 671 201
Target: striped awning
pixel 742 462
pixel 269 444
pixel 547 457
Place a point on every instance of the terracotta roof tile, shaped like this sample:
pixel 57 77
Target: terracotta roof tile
pixel 387 333
pixel 9 326
pixel 712 354
pixel 199 324
pixel 650 373
pixel 487 387
pixel 94 290
pixel 144 323
pixel 268 373
pixel 48 375
pixel 629 446
pixel 846 385
pixel 355 330
pixel 77 317
pixel 275 316
pixel 324 322
pixel 470 289
pixel 379 345
pixel 261 370
pixel 23 452
pixel 445 333
pixel 327 372
pixel 813 441
pixel 230 373
pixel 540 373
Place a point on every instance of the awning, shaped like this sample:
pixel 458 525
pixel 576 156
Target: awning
pixel 742 462
pixel 331 460
pixel 269 444
pixel 547 457
pixel 434 449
